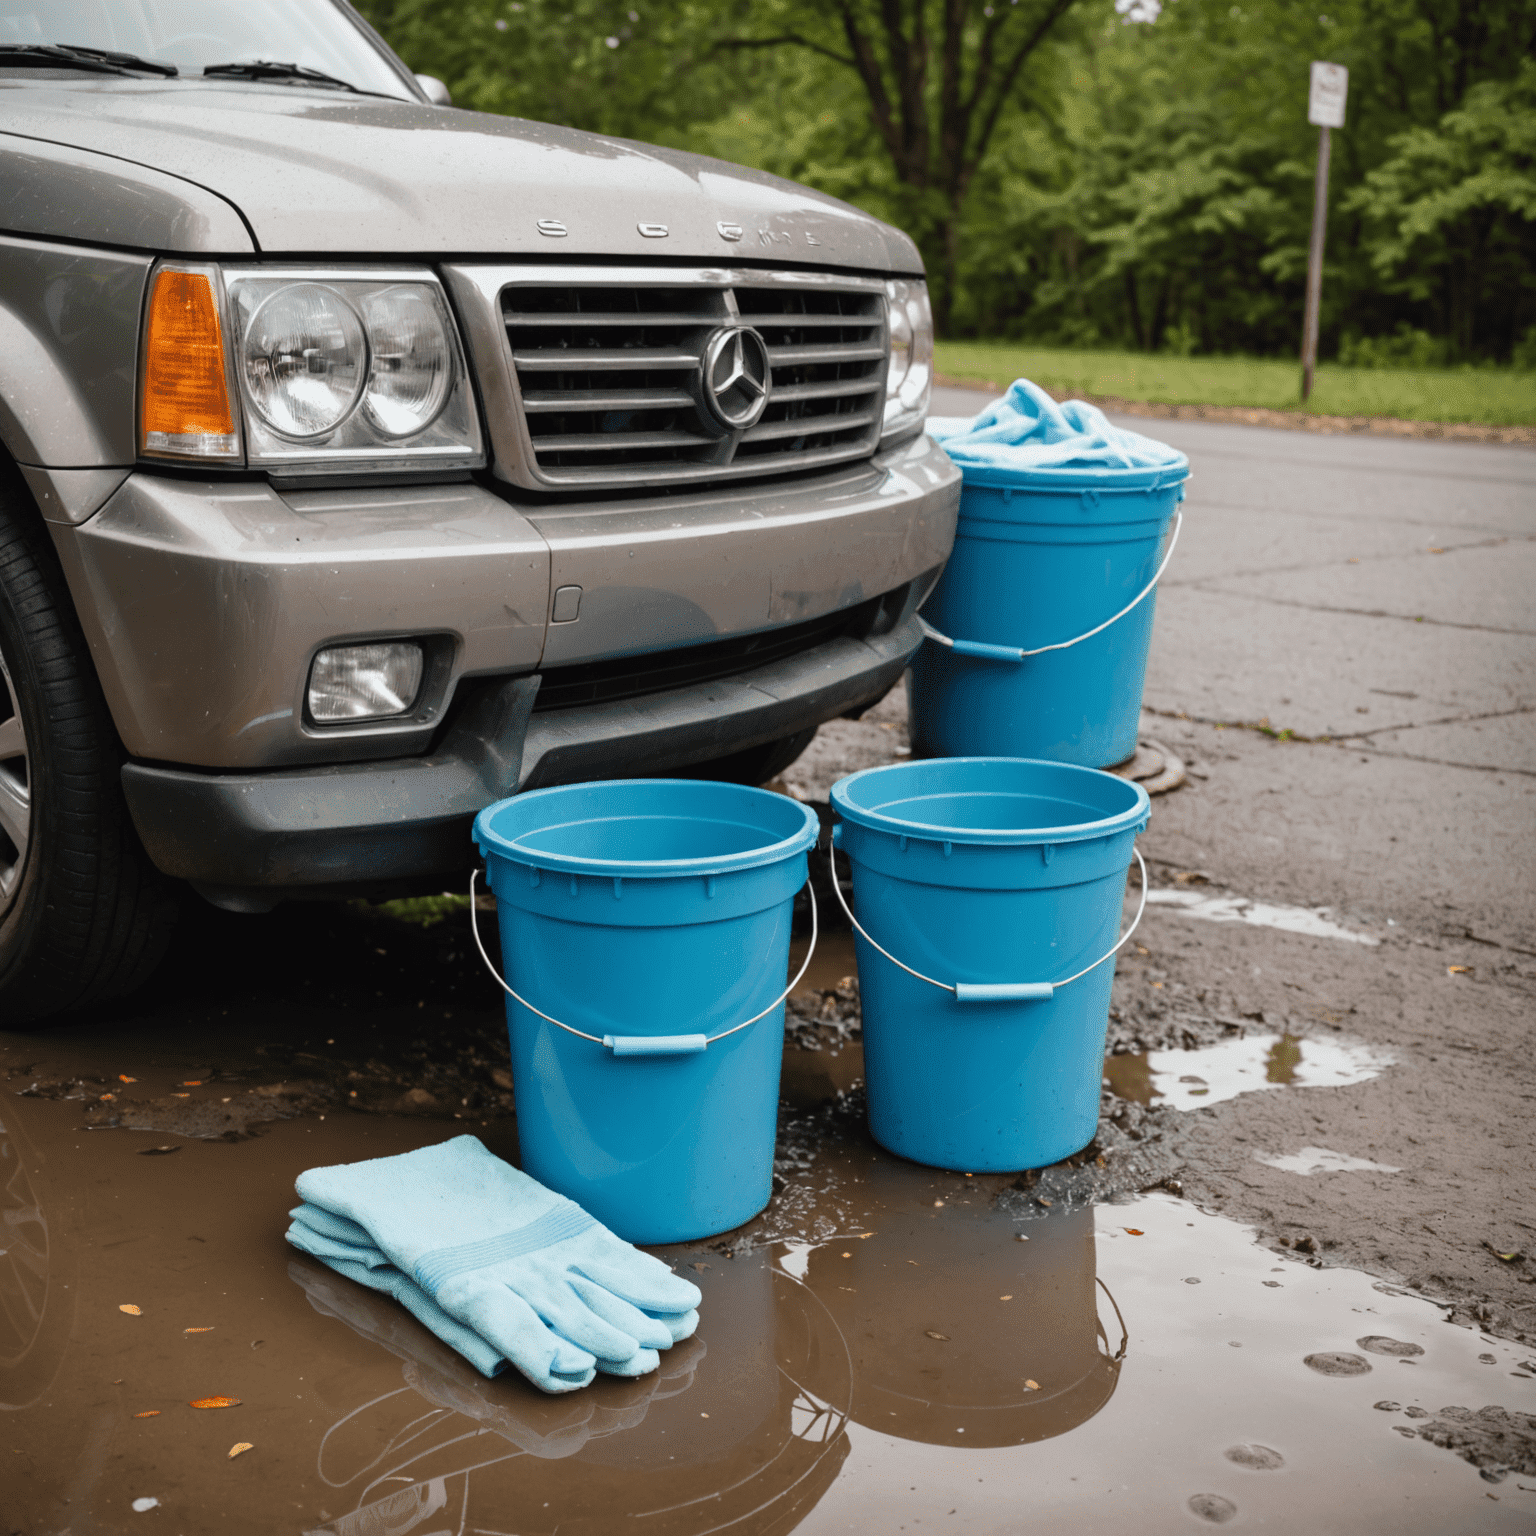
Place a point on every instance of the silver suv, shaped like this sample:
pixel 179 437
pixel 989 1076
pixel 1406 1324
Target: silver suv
pixel 365 460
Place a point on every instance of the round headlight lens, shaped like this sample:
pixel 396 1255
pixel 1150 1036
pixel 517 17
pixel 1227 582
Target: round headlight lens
pixel 914 387
pixel 304 356
pixel 901 339
pixel 412 369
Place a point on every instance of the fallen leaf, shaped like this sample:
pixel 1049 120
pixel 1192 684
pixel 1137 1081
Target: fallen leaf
pixel 1457 970
pixel 1031 1386
pixel 123 1078
pixel 197 1330
pixel 1005 1298
pixel 239 1448
pixel 131 1310
pixel 214 1402
pixel 942 1337
pixel 148 1413
pixel 108 1097
pixel 1133 1231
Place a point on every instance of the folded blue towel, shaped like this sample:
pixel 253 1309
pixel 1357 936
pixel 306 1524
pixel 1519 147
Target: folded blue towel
pixel 528 1272
pixel 1026 429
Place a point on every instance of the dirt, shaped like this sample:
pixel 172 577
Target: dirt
pixel 1293 421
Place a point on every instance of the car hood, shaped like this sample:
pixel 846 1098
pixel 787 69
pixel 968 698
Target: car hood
pixel 320 173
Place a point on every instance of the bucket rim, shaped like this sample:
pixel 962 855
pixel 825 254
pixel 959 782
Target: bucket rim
pixel 1101 478
pixel 1132 819
pixel 490 841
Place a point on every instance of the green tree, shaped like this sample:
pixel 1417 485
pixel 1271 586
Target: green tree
pixel 1450 217
pixel 939 78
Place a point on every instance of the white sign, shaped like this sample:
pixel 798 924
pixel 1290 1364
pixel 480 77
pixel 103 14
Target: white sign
pixel 1325 105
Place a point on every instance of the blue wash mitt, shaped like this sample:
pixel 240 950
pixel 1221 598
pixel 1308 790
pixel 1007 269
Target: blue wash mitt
pixel 545 1285
pixel 1026 429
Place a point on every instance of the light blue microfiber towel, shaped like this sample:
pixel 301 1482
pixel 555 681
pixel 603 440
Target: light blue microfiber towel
pixel 543 1284
pixel 1026 430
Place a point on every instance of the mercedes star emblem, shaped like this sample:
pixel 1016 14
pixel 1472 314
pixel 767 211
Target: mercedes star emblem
pixel 737 378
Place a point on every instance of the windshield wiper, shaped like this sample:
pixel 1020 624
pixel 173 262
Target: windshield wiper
pixel 103 61
pixel 268 69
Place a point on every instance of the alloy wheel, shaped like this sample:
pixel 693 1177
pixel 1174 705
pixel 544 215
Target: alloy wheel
pixel 15 791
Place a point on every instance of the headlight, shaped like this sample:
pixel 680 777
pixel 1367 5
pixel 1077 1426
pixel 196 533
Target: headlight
pixel 909 375
pixel 338 371
pixel 364 682
pixel 412 361
pixel 302 360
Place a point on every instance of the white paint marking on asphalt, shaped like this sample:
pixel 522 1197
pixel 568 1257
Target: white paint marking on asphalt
pixel 1239 909
pixel 1320 1160
pixel 1193 1079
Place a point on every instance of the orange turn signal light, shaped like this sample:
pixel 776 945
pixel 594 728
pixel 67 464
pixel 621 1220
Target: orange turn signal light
pixel 185 407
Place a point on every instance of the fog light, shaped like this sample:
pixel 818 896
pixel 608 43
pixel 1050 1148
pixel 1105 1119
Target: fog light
pixel 364 682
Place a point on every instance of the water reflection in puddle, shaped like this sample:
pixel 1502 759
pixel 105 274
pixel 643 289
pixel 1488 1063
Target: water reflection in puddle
pixel 879 1349
pixel 742 1427
pixel 1191 1079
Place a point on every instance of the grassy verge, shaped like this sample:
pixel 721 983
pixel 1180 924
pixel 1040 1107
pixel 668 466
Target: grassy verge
pixel 1501 398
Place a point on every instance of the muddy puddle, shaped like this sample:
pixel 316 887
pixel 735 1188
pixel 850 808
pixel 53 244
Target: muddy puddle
pixel 1252 1064
pixel 888 1347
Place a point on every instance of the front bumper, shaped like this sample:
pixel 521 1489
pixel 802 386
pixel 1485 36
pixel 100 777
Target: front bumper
pixel 248 839
pixel 205 602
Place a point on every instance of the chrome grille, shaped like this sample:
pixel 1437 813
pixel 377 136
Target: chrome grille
pixel 608 374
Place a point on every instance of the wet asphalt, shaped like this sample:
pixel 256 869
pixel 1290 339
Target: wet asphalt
pixel 1176 1330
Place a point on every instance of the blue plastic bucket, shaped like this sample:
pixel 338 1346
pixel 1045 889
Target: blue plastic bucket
pixel 1042 557
pixel 651 915
pixel 998 879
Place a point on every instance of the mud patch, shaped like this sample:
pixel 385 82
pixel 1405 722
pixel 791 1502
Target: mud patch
pixel 1492 1439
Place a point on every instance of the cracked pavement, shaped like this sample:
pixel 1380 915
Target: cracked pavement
pixel 1343 658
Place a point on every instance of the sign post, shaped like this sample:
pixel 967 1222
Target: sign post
pixel 1325 109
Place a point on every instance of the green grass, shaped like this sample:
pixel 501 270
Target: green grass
pixel 425 911
pixel 1491 397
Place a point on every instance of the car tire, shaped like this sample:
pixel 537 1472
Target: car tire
pixel 84 916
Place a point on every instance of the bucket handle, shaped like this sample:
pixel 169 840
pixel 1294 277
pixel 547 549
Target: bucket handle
pixel 988 991
pixel 642 1045
pixel 985 652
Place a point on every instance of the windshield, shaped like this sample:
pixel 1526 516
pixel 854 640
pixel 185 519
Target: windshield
pixel 194 34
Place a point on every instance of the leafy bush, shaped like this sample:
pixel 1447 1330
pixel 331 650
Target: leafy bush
pixel 1406 348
